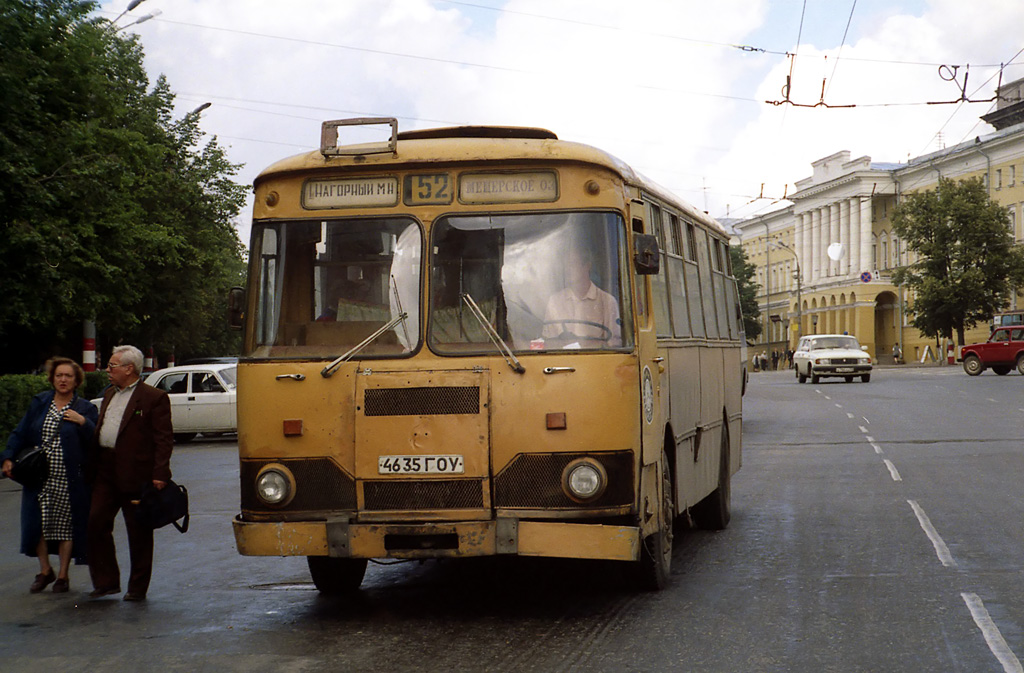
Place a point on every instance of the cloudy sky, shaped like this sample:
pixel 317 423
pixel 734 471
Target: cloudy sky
pixel 682 90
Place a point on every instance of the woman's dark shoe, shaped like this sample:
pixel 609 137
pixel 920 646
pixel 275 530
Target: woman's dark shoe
pixel 42 581
pixel 61 586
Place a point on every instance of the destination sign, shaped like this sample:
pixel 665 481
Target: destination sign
pixel 518 187
pixel 350 193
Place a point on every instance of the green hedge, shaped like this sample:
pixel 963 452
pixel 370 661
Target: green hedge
pixel 17 390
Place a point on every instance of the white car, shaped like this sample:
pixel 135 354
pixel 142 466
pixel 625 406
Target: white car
pixel 840 355
pixel 202 398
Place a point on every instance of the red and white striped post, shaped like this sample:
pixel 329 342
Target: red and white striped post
pixel 89 345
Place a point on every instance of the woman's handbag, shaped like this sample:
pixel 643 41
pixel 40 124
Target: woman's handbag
pixel 159 507
pixel 31 468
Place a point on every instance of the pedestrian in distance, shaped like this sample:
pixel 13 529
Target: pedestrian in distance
pixel 54 516
pixel 131 448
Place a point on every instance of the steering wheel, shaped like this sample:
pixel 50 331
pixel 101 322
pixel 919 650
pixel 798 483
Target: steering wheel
pixel 606 336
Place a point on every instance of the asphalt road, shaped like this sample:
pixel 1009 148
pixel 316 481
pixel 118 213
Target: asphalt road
pixel 876 527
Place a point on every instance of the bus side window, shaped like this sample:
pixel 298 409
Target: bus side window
pixel 641 283
pixel 693 288
pixel 677 283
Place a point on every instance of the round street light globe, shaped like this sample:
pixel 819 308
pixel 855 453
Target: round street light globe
pixel 836 251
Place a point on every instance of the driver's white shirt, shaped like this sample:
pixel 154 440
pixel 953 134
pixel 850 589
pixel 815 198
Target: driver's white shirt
pixel 596 306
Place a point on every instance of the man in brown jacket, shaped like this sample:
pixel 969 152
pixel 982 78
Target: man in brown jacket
pixel 132 447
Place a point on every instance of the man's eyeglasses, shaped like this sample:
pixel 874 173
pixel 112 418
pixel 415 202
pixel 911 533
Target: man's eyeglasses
pixel 110 366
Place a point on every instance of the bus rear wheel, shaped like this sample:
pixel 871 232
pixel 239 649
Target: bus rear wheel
pixel 336 576
pixel 654 569
pixel 715 511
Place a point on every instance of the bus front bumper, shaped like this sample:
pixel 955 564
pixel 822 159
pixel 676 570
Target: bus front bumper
pixel 342 538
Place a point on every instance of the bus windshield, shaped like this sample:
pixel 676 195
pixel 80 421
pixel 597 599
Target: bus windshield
pixel 543 280
pixel 326 286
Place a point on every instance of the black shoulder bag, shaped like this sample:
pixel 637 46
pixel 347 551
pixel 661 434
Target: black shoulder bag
pixel 31 468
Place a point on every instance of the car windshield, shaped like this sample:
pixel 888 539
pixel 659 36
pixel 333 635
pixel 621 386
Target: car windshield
pixel 542 280
pixel 825 343
pixel 324 287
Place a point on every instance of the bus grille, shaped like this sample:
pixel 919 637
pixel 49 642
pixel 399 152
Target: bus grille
pixel 319 485
pixel 427 401
pixel 433 494
pixel 534 481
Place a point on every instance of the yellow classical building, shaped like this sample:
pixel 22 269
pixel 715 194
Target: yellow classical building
pixel 824 262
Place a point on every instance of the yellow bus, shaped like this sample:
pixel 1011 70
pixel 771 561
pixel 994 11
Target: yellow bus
pixel 478 341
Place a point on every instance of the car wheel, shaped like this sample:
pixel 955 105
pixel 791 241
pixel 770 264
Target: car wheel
pixel 864 378
pixel 1001 370
pixel 184 437
pixel 1020 364
pixel 972 365
pixel 815 378
pixel 849 379
pixel 802 378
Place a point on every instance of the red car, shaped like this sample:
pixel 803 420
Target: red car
pixel 1003 351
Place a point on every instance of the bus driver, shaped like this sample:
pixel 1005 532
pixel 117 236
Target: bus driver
pixel 582 314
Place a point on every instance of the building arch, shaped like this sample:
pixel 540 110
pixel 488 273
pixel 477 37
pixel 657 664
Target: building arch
pixel 885 325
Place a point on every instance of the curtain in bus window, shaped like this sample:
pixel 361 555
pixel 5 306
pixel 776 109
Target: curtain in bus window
pixel 542 281
pixel 733 308
pixel 268 306
pixel 659 282
pixel 707 289
pixel 722 305
pixel 659 290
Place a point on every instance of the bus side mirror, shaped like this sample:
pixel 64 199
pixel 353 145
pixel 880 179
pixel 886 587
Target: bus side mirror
pixel 646 259
pixel 236 307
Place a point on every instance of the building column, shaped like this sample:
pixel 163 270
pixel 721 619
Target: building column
pixel 805 246
pixel 823 269
pixel 815 245
pixel 865 234
pixel 833 235
pixel 844 237
pixel 856 265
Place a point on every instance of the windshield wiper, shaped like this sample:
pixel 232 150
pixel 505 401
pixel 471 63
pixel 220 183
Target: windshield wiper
pixel 496 339
pixel 328 371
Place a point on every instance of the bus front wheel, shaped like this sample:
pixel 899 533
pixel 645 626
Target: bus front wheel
pixel 336 576
pixel 654 569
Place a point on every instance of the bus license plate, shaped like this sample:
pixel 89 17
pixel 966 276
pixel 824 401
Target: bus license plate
pixel 452 464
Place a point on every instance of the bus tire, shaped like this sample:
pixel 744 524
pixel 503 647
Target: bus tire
pixel 715 511
pixel 336 576
pixel 654 568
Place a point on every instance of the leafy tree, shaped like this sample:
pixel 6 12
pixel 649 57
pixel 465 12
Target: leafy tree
pixel 744 271
pixel 966 261
pixel 109 208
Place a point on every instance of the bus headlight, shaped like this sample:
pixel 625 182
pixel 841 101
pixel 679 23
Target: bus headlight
pixel 275 485
pixel 584 479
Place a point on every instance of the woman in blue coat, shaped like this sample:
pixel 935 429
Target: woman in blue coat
pixel 54 517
